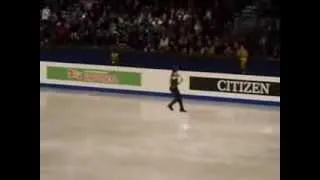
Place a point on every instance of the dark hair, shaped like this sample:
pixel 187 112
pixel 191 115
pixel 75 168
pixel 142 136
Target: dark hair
pixel 175 69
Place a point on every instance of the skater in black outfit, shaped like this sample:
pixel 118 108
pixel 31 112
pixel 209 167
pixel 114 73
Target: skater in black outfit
pixel 175 80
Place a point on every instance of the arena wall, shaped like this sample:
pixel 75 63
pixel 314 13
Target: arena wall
pixel 145 81
pixel 257 65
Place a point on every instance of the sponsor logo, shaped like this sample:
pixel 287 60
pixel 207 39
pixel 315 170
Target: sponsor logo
pixel 244 87
pixel 235 86
pixel 94 76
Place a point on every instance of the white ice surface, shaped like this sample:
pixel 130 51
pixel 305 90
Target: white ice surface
pixel 118 137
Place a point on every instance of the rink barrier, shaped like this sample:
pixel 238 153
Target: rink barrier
pixel 152 94
pixel 155 82
pixel 257 65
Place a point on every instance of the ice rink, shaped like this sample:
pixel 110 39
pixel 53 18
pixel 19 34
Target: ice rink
pixel 92 136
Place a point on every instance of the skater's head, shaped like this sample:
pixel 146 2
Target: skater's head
pixel 175 69
pixel 174 72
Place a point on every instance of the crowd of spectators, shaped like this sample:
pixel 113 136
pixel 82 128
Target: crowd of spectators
pixel 166 26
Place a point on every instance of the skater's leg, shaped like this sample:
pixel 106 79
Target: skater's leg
pixel 175 100
pixel 179 99
pixel 181 105
pixel 173 92
pixel 172 103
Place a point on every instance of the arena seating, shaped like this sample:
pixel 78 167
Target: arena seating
pixel 188 27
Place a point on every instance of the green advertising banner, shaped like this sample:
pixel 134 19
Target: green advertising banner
pixel 94 75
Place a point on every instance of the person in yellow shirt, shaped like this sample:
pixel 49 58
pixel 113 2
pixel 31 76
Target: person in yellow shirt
pixel 115 58
pixel 243 54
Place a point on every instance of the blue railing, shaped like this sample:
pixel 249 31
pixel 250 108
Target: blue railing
pixel 256 65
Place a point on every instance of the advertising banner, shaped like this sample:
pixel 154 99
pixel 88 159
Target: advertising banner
pixel 94 75
pixel 264 88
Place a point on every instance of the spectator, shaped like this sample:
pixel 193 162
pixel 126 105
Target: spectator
pixel 228 50
pixel 172 46
pixel 211 48
pixel 164 43
pixel 243 57
pixel 149 48
pixel 45 14
pixel 144 26
pixel 236 46
pixel 276 52
pixel 263 44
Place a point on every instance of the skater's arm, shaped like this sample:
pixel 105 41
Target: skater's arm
pixel 180 79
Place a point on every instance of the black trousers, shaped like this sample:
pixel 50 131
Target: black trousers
pixel 177 98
